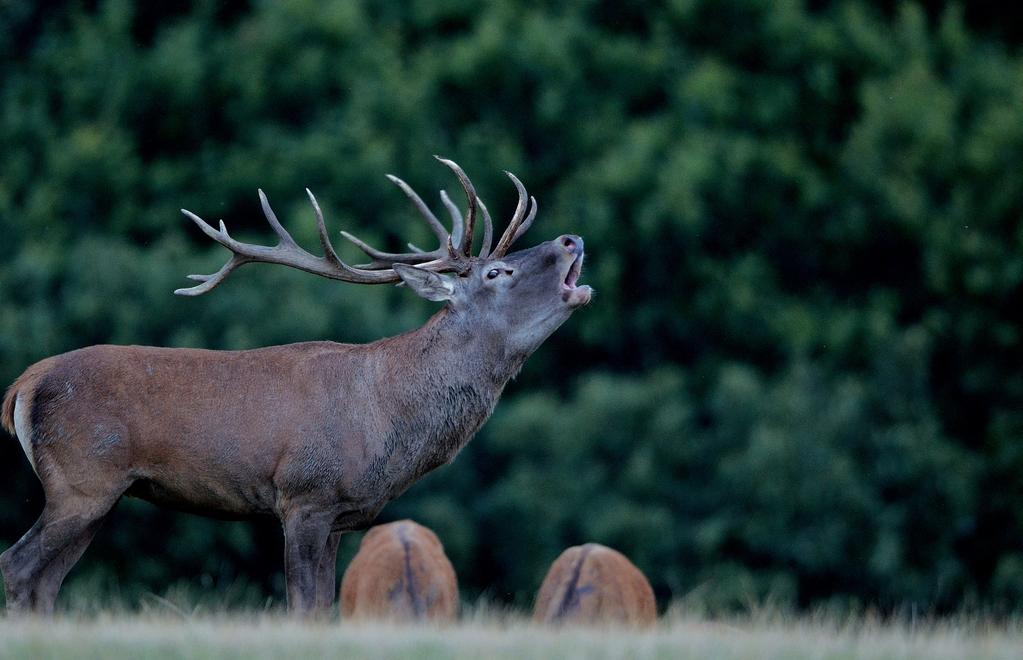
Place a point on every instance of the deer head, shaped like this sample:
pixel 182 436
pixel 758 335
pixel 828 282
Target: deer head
pixel 520 298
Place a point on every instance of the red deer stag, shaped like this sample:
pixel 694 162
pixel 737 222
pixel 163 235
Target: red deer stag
pixel 400 573
pixel 593 584
pixel 319 434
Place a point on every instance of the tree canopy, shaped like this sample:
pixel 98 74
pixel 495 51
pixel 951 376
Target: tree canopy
pixel 799 378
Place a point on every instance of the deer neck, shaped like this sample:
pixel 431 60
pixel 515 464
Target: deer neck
pixel 446 377
pixel 452 347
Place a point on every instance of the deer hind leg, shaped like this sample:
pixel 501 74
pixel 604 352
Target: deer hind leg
pixel 53 574
pixel 34 567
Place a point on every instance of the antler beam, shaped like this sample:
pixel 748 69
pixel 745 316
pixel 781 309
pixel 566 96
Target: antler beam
pixel 454 254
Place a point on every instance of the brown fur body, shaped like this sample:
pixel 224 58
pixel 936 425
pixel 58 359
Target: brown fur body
pixel 400 573
pixel 150 418
pixel 319 434
pixel 593 584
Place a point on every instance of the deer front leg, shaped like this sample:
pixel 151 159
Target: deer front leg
pixel 306 533
pixel 326 575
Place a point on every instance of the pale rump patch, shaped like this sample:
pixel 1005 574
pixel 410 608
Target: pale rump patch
pixel 23 429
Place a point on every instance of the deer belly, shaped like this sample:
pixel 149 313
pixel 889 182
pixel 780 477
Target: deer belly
pixel 203 498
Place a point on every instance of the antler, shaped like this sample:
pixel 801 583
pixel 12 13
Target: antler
pixel 455 245
pixel 519 222
pixel 452 255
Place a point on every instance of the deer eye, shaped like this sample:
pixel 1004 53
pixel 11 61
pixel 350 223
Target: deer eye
pixel 493 273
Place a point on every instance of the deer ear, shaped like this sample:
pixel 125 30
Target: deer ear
pixel 426 283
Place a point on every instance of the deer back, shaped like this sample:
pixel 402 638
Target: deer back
pixel 400 573
pixel 594 584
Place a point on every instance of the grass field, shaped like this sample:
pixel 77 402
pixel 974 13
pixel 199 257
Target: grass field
pixel 170 634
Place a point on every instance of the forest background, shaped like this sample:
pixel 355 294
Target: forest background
pixel 799 381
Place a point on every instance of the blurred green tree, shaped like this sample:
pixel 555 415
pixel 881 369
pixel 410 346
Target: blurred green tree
pixel 799 379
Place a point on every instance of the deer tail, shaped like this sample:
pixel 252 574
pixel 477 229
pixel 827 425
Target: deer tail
pixel 7 410
pixel 25 385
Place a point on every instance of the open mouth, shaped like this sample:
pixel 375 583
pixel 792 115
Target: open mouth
pixel 573 274
pixel 572 293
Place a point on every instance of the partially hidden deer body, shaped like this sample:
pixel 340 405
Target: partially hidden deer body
pixel 401 574
pixel 593 584
pixel 319 434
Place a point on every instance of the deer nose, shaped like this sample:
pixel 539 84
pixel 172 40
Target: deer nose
pixel 572 243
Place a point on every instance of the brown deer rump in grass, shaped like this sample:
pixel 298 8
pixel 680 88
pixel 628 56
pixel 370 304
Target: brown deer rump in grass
pixel 593 584
pixel 401 574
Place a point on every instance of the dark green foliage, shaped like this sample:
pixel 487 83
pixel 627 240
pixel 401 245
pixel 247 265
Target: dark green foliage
pixel 800 377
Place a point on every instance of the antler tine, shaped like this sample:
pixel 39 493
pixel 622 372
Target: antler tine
pixel 383 260
pixel 210 281
pixel 456 223
pixel 456 218
pixel 328 250
pixel 455 245
pixel 424 210
pixel 465 247
pixel 528 221
pixel 488 230
pixel 288 253
pixel 271 218
pixel 510 233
